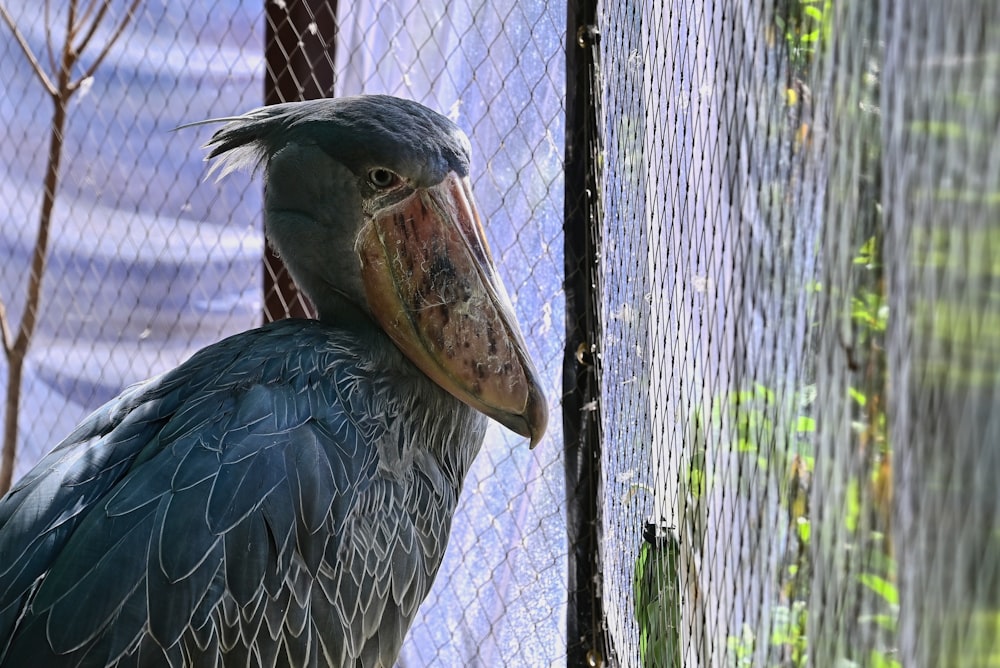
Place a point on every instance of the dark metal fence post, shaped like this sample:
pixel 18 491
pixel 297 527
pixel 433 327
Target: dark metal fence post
pixel 299 50
pixel 585 637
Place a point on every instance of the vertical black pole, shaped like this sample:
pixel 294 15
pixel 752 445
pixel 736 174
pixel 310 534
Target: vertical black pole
pixel 586 642
pixel 300 43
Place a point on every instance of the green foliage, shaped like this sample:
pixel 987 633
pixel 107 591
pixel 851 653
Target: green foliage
pixel 806 26
pixel 741 648
pixel 885 589
pixel 656 587
pixel 777 434
pixel 788 636
pixel 868 255
pixel 773 433
pixel 788 630
pixel 877 659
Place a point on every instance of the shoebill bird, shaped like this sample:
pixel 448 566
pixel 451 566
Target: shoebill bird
pixel 284 497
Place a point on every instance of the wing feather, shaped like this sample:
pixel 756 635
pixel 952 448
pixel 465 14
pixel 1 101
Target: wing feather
pixel 125 629
pixel 172 604
pixel 295 619
pixel 146 484
pixel 183 537
pixel 311 477
pixel 246 550
pixel 238 504
pixel 241 487
pixel 97 571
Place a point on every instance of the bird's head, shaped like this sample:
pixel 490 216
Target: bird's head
pixel 368 201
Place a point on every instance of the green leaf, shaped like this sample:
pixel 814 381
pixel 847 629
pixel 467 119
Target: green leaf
pixel 881 586
pixel 765 392
pixel 813 12
pixel 866 253
pixel 803 528
pixel 805 424
pixel 696 482
pixel 853 506
pixel 858 396
pixel 887 622
pixel 877 659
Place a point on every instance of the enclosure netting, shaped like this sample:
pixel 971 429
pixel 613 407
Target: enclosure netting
pixel 799 265
pixel 801 332
pixel 148 261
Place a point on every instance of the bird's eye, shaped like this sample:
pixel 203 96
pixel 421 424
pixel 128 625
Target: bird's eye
pixel 382 178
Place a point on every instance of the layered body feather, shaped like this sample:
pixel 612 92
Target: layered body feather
pixel 283 498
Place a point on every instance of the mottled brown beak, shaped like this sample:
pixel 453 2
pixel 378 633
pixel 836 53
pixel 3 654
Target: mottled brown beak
pixel 432 285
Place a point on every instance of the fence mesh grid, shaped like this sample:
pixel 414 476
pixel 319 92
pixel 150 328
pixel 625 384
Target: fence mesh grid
pixel 798 269
pixel 800 333
pixel 148 262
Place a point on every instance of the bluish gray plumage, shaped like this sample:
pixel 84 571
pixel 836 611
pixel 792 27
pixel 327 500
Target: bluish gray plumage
pixel 283 497
pixel 260 471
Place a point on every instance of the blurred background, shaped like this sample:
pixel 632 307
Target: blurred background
pixel 754 248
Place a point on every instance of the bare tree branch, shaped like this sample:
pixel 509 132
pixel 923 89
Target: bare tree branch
pixel 16 347
pixel 48 37
pixel 8 340
pixel 35 65
pixel 70 23
pixel 119 29
pixel 93 25
pixel 89 9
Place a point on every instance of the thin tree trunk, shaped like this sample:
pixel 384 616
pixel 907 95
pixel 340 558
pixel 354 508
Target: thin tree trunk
pixel 16 348
pixel 19 351
pixel 15 369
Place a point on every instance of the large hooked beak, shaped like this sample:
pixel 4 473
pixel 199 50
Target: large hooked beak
pixel 433 287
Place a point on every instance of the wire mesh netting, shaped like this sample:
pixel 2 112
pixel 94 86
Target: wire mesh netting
pixel 148 262
pixel 800 333
pixel 795 207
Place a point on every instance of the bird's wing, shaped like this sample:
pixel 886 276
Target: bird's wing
pixel 203 510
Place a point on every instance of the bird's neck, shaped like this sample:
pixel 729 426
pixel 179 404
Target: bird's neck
pixel 442 426
pixel 337 310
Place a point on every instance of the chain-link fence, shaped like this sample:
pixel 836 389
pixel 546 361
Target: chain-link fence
pixel 779 336
pixel 148 262
pixel 800 320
